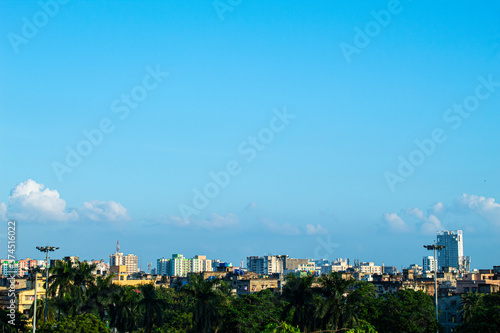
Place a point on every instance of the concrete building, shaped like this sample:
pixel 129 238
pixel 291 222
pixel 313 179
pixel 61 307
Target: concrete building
pixel 255 264
pixel 248 286
pixel 180 266
pixel 101 268
pixel 272 264
pixel 417 269
pixel 340 265
pixel 268 264
pixel 129 260
pixel 370 268
pixel 392 286
pixel 392 270
pixel 484 281
pixel 429 264
pixel 292 263
pixel 10 267
pixel 453 254
pixel 205 264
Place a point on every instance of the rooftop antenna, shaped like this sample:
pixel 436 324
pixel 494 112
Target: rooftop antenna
pixel 117 246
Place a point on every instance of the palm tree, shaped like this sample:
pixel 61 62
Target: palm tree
pixel 336 311
pixel 152 306
pixel 40 310
pixel 122 310
pixel 83 280
pixel 470 302
pixel 99 296
pixel 208 301
pixel 300 296
pixel 61 281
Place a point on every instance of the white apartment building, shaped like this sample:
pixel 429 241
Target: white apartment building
pixel 180 266
pixel 370 268
pixel 429 264
pixel 10 267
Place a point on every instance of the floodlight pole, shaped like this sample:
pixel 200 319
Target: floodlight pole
pixel 435 247
pixel 281 257
pixel 35 271
pixel 46 249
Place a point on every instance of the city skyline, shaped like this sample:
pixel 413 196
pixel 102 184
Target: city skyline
pixel 451 256
pixel 319 130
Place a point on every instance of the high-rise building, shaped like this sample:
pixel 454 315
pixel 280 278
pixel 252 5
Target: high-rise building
pixel 255 264
pixel 131 261
pixel 118 259
pixel 265 265
pixel 453 253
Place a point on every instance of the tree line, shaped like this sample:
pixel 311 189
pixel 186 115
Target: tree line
pixel 82 302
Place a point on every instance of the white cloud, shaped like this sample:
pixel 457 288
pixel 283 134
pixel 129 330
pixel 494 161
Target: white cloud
pixel 313 230
pixel 396 223
pixel 487 208
pixel 438 209
pixel 414 212
pixel 103 211
pixel 282 229
pixel 431 225
pixel 29 201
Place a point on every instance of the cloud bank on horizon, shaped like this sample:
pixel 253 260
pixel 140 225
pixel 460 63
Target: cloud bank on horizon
pixel 33 202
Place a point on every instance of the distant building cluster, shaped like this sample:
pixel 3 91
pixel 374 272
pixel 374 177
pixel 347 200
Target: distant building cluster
pixel 450 268
pixel 180 266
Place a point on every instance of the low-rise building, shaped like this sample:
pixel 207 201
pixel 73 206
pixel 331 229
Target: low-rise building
pixel 484 281
pixel 248 286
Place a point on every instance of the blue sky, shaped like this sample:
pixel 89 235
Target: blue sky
pixel 173 91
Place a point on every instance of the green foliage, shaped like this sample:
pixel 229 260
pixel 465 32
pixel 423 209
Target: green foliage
pixel 280 327
pixel 308 304
pixel 69 285
pixel 404 311
pixel 210 298
pixel 301 301
pixel 18 320
pixel 40 310
pixel 84 323
pixel 336 309
pixel 363 327
pixel 123 309
pixel 177 314
pixel 251 313
pixel 480 313
pixel 151 307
